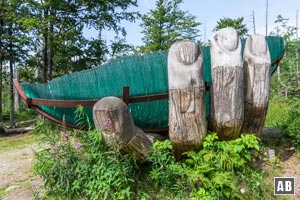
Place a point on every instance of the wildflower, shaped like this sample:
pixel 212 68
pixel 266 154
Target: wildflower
pixel 243 190
pixel 79 147
pixel 64 135
pixel 54 149
pixel 108 123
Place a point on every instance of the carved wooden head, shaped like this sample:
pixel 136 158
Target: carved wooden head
pixel 185 65
pixel 257 44
pixel 188 53
pixel 227 39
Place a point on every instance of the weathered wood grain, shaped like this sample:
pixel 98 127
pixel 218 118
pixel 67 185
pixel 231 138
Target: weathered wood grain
pixel 257 64
pixel 112 117
pixel 187 120
pixel 227 90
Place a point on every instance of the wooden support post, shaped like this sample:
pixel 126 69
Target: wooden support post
pixel 227 89
pixel 257 65
pixel 187 120
pixel 112 117
pixel 126 91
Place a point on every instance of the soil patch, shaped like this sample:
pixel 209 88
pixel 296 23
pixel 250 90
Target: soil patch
pixel 18 180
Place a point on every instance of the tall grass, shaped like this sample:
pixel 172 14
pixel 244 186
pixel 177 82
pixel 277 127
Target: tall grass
pixel 278 112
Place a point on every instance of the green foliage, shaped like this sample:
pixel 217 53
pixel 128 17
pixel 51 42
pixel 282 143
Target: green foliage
pixel 24 114
pixel 22 141
pixel 291 126
pixel 167 24
pixel 79 166
pixel 286 82
pixel 221 170
pixel 237 24
pixel 278 112
pixel 166 173
pixel 216 170
pixel 284 113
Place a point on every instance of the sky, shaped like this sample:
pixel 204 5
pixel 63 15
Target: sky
pixel 208 12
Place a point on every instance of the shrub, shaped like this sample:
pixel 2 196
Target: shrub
pixel 220 170
pixel 166 173
pixel 291 127
pixel 79 166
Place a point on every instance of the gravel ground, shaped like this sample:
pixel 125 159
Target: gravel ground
pixel 291 168
pixel 16 174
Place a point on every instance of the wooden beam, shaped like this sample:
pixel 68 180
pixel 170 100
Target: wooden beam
pixel 154 97
pixel 126 93
pixel 62 103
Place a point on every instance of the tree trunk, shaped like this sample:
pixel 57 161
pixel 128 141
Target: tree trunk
pixel 257 65
pixel 187 120
pixel 50 47
pixel 45 48
pixel 227 91
pixel 50 62
pixel 1 99
pixel 11 86
pixel 17 96
pixel 1 55
pixel 113 119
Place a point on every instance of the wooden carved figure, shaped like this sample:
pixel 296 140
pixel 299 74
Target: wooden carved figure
pixel 227 91
pixel 257 65
pixel 187 121
pixel 113 119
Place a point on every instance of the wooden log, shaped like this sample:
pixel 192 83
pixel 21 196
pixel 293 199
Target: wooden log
pixel 187 120
pixel 26 123
pixel 227 89
pixel 112 117
pixel 257 65
pixel 19 130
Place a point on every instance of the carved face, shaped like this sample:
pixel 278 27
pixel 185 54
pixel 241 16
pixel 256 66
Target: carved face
pixel 229 39
pixel 188 53
pixel 258 44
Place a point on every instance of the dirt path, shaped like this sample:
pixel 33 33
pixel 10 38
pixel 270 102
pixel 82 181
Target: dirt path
pixel 291 168
pixel 17 176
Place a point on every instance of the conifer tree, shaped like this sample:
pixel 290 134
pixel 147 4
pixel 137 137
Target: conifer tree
pixel 237 24
pixel 166 24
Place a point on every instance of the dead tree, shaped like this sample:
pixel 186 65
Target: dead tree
pixel 257 65
pixel 227 91
pixel 187 120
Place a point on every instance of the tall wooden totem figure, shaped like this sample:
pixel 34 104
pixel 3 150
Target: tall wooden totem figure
pixel 187 120
pixel 227 91
pixel 257 65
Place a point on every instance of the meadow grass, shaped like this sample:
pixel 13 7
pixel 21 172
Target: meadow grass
pixel 278 112
pixel 8 143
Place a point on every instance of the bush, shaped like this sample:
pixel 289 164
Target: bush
pixel 77 165
pixel 221 170
pixel 291 127
pixel 278 112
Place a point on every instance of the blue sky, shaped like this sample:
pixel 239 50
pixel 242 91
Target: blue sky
pixel 210 11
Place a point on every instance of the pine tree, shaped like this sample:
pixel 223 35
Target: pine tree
pixel 166 24
pixel 14 41
pixel 237 24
